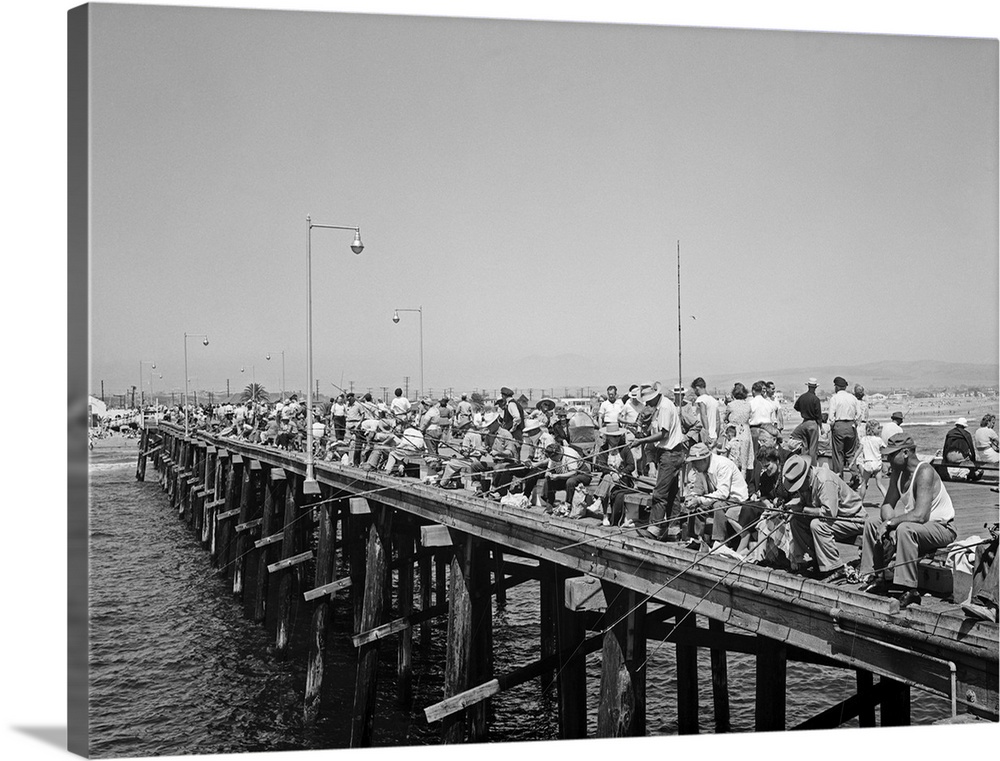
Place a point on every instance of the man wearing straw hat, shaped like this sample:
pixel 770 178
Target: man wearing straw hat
pixel 671 448
pixel 827 511
pixel 915 518
pixel 714 483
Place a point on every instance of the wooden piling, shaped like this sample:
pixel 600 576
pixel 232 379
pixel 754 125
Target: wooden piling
pixel 272 525
pixel 245 502
pixel 287 574
pixel 404 654
pixel 325 553
pixel 358 527
pixel 895 708
pixel 425 598
pixel 687 677
pixel 469 617
pixel 571 671
pixel 622 707
pixel 501 592
pixel 720 682
pixel 547 602
pixel 140 466
pixel 769 710
pixel 376 568
pixel 866 686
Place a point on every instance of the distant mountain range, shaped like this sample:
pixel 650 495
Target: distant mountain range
pixel 572 371
pixel 886 375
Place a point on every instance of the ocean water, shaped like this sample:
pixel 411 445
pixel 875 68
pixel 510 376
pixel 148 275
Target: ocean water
pixel 177 669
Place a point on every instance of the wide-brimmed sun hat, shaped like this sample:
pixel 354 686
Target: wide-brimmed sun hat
pixel 794 473
pixel 699 452
pixel 490 418
pixel 812 382
pixel 612 429
pixel 533 424
pixel 962 422
pixel 649 391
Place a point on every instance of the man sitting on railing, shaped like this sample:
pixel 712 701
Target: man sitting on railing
pixel 916 518
pixel 959 449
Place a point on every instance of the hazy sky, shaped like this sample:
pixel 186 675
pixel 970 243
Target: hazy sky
pixel 835 198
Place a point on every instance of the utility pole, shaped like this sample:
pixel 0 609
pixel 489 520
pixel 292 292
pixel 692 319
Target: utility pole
pixel 385 394
pixel 351 383
pixel 228 394
pixel 317 388
pixel 406 386
pixel 102 392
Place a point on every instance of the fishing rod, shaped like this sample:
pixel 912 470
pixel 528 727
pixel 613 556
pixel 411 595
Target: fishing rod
pixel 649 597
pixel 678 621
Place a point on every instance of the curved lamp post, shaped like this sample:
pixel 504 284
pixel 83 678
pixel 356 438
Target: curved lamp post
pixel 395 319
pixel 268 358
pixel 253 373
pixel 142 410
pixel 205 343
pixel 310 486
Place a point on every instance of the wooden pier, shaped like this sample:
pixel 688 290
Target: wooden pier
pixel 416 553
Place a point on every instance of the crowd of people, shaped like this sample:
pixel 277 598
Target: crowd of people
pixel 722 474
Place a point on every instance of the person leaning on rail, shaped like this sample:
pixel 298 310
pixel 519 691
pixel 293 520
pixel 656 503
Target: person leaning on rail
pixel 826 511
pixel 916 518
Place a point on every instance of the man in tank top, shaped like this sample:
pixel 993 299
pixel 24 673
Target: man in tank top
pixel 916 518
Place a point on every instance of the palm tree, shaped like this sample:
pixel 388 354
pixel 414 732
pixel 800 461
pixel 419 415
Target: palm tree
pixel 255 392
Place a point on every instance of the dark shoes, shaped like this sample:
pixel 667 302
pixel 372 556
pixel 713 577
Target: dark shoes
pixel 876 587
pixel 832 576
pixel 909 597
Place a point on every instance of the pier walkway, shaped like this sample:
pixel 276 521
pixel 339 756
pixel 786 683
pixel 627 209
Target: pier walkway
pixel 417 552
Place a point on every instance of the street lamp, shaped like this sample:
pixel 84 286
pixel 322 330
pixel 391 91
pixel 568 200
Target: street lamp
pixel 395 319
pixel 310 486
pixel 142 411
pixel 268 358
pixel 205 343
pixel 253 373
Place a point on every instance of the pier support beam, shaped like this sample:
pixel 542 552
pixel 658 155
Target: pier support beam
pixel 404 654
pixel 622 708
pixel 895 703
pixel 687 676
pixel 571 670
pixel 469 658
pixel 358 524
pixel 720 682
pixel 288 586
pixel 866 691
pixel 376 571
pixel 325 555
pixel 772 660
pixel 272 525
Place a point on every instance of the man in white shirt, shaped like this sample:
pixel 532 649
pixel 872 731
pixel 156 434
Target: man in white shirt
pixel 400 405
pixel 714 482
pixel 611 407
pixel 894 426
pixel 843 434
pixel 671 449
pixel 708 410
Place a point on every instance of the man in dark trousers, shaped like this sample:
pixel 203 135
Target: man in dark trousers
pixel 843 435
pixel 808 406
pixel 512 414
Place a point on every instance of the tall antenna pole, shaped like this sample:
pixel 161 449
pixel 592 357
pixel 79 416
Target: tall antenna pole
pixel 680 376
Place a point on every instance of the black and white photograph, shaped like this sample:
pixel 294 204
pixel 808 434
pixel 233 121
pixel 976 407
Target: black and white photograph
pixel 443 376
